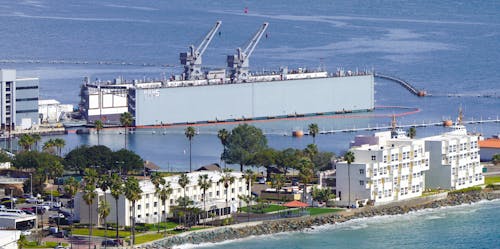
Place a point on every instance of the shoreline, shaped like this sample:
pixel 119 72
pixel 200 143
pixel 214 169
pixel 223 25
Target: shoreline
pixel 252 229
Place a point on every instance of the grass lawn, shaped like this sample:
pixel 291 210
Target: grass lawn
pixel 47 244
pixel 491 179
pixel 148 237
pixel 100 232
pixel 153 227
pixel 318 210
pixel 268 209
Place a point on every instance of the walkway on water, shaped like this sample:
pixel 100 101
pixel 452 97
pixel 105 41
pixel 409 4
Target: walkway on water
pixel 403 83
pixel 497 120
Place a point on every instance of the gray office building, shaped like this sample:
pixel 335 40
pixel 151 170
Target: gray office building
pixel 18 101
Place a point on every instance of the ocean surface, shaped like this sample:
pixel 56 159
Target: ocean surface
pixel 460 227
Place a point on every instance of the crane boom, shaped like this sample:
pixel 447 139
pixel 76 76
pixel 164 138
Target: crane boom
pixel 238 63
pixel 192 59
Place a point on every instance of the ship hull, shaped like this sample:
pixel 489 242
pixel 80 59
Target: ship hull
pixel 257 100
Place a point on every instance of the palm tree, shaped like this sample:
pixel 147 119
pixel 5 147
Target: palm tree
pixel 103 210
pixel 98 127
pixel 157 181
pixel 306 174
pixel 204 183
pixel 89 196
pixel 36 139
pixel 164 195
pixel 59 143
pixel 70 188
pixel 313 131
pixel 26 141
pixel 48 146
pixel 227 179
pixel 249 178
pixel 116 188
pixel 183 182
pixel 412 132
pixel 133 193
pixel 104 184
pixel 126 120
pixel 278 182
pixel 349 157
pixel 190 133
pixel 223 136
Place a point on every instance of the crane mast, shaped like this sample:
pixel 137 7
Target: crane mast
pixel 192 59
pixel 238 63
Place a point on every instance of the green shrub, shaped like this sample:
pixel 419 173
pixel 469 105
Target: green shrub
pixel 466 190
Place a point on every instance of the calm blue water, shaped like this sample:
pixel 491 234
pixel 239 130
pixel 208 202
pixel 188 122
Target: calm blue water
pixel 468 226
pixel 443 47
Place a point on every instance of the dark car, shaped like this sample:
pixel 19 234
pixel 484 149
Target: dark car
pixel 112 242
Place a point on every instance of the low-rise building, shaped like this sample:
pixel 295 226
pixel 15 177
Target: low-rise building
pixel 454 159
pixel 488 148
pixel 51 110
pixel 219 203
pixel 391 168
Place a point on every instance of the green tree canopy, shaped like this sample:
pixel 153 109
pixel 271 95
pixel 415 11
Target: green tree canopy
pixel 242 145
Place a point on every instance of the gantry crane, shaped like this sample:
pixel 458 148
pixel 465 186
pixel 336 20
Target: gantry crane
pixel 192 59
pixel 238 64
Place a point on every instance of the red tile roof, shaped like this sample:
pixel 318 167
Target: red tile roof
pixel 490 143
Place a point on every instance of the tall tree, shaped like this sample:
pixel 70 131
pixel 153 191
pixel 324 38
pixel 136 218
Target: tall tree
pixel 59 143
pixel 278 182
pixel 98 127
pixel 412 132
pixel 126 119
pixel 164 195
pixel 313 131
pixel 26 141
pixel 183 181
pixel 104 183
pixel 227 179
pixel 306 174
pixel 36 138
pixel 266 158
pixel 133 193
pixel 89 196
pixel 116 188
pixel 249 178
pixel 243 143
pixel 349 158
pixel 157 181
pixel 103 210
pixel 223 136
pixel 190 132
pixel 48 146
pixel 204 183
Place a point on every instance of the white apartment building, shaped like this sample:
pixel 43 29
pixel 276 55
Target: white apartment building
pixel 386 168
pixel 455 160
pixel 150 208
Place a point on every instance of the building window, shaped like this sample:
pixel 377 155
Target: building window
pixel 232 190
pixel 218 193
pixel 362 183
pixel 147 195
pixel 138 216
pixel 362 171
pixel 147 205
pixel 374 157
pixel 171 201
pixel 155 204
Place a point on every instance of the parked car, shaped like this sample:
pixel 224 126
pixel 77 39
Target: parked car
pixel 33 200
pixel 43 206
pixel 112 242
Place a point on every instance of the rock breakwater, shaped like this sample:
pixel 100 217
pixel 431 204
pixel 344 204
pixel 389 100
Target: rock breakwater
pixel 298 224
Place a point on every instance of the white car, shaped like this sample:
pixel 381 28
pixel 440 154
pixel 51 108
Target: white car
pixel 26 232
pixel 43 206
pixel 33 200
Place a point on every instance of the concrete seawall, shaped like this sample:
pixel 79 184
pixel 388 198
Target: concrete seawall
pixel 297 224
